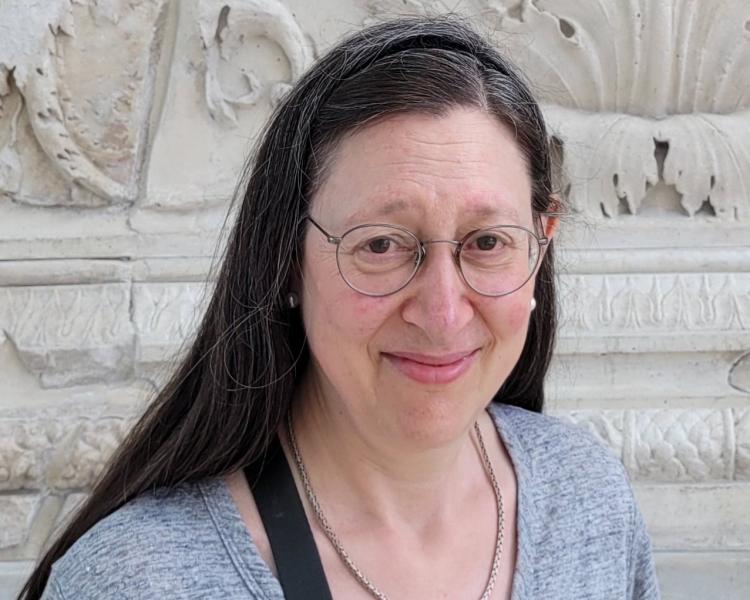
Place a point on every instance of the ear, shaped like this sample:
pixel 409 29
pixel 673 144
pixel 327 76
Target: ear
pixel 551 217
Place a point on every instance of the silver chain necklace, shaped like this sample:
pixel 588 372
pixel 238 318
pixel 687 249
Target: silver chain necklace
pixel 344 555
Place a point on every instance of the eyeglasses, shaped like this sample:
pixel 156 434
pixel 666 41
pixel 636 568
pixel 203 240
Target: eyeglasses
pixel 380 259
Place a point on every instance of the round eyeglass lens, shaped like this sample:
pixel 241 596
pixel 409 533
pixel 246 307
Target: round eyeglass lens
pixel 499 260
pixel 378 259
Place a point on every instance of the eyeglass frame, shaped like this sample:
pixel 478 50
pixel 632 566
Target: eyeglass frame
pixel 542 241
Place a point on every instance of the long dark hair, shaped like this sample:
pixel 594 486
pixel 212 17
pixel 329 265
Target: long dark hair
pixel 225 401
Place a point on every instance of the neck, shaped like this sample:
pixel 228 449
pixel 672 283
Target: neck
pixel 391 480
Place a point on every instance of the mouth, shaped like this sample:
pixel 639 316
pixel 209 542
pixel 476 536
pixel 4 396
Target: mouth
pixel 435 369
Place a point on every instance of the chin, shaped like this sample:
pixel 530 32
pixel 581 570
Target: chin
pixel 432 418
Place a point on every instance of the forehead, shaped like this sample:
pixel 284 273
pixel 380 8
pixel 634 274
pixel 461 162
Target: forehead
pixel 465 164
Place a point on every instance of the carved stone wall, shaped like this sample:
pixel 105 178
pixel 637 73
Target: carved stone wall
pixel 123 127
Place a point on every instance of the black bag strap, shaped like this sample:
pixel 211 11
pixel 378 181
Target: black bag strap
pixel 294 552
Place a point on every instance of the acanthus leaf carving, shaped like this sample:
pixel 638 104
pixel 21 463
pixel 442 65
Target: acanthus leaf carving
pixel 624 166
pixel 708 159
pixel 690 93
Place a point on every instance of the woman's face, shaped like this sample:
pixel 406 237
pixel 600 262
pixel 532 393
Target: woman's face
pixel 424 361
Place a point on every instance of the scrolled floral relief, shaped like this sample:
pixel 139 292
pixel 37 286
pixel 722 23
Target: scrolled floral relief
pixel 74 99
pixel 224 28
pixel 639 92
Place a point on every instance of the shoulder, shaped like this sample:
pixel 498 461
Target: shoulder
pixel 148 546
pixel 145 525
pixel 549 445
pixel 568 478
pixel 577 511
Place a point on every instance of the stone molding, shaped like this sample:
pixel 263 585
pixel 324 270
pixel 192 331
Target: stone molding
pixel 655 303
pixel 674 445
pixel 56 453
pixel 70 335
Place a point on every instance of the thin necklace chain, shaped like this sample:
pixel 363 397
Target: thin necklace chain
pixel 344 555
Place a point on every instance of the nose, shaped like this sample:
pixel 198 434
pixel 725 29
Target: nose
pixel 439 299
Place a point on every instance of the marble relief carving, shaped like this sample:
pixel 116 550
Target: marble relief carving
pixel 669 73
pixel 685 302
pixel 674 445
pixel 61 453
pixel 60 110
pixel 224 27
pixel 231 63
pixel 70 334
pixel 74 334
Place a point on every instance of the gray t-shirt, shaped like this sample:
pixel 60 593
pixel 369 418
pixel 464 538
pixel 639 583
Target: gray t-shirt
pixel 580 533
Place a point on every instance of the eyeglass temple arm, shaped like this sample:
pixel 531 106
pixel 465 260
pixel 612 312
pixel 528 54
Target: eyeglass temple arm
pixel 331 238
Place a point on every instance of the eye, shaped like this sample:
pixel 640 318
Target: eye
pixel 487 242
pixel 379 245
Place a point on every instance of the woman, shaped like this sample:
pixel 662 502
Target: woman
pixel 386 307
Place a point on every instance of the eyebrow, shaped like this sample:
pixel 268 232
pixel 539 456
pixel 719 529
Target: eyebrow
pixel 395 206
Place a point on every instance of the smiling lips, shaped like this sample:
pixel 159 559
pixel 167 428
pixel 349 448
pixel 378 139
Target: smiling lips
pixel 432 369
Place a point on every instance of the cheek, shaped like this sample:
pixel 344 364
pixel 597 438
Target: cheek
pixel 368 314
pixel 510 317
pixel 346 316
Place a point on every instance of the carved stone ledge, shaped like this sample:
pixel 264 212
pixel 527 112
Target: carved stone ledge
pixel 742 437
pixel 696 516
pixel 164 315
